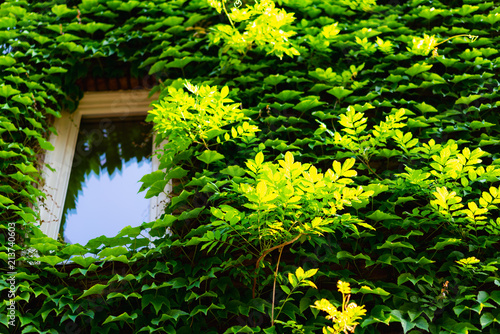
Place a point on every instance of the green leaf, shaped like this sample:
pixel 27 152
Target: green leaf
pixel 92 27
pixel 441 244
pixel 156 188
pixel 305 303
pixel 287 95
pixel 115 251
pixel 8 90
pixel 285 289
pixel 467 99
pixel 204 309
pixel 54 70
pixel 367 290
pixel 307 104
pixel 44 144
pixel 176 173
pixel 151 178
pixel 157 67
pixel 156 300
pixel 50 259
pixel 180 62
pixel 124 317
pixel 5 200
pixel 425 108
pixel 379 215
pixel 191 214
pixel 166 221
pixel 393 245
pixel 418 68
pixel 7 61
pixel 94 290
pixel 480 124
pixel 495 295
pixel 83 261
pixel 128 6
pixel 487 319
pixel 209 156
pixel 234 171
pixel 275 79
pixel 62 10
pixel 340 92
pixel 121 295
pixel 170 314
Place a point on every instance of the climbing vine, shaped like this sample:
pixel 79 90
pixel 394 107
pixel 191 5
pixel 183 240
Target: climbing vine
pixel 309 142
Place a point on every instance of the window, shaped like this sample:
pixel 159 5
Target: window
pixel 96 107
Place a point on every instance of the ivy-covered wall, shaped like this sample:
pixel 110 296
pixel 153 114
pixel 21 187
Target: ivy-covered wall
pixel 409 90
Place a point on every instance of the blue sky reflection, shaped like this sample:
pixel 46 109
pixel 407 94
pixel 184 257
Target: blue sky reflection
pixel 108 203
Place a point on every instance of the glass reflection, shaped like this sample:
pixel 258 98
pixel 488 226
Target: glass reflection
pixel 110 157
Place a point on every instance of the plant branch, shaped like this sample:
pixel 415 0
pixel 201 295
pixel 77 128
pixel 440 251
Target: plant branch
pixel 274 285
pixel 264 254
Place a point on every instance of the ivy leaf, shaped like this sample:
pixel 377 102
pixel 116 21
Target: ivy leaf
pixel 72 47
pixel 115 251
pixel 495 295
pixel 44 144
pixel 425 108
pixel 180 62
pixel 83 261
pixel 94 290
pixel 156 188
pixel 8 90
pixel 7 61
pixel 122 317
pixel 418 68
pixel 166 221
pixel 340 92
pixel 233 171
pixel 156 300
pixel 480 124
pixel 204 309
pixel 287 95
pixel 366 289
pixel 54 70
pixel 157 67
pixel 176 173
pixel 92 27
pixel 50 259
pixel 151 178
pixel 170 314
pixel 63 10
pixel 173 20
pixel 121 295
pixel 487 319
pixel 307 104
pixel 209 156
pixel 128 6
pixel 5 200
pixel 379 215
pixel 191 214
pixel 43 247
pixel 393 245
pixel 467 99
pixel 274 80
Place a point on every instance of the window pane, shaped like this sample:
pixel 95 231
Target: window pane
pixel 110 158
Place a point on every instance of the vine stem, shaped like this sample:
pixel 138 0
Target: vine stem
pixel 462 35
pixel 227 14
pixel 274 285
pixel 264 254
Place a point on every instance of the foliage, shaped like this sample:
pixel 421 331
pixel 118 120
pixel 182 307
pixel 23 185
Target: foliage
pixel 266 29
pixel 347 318
pixel 421 129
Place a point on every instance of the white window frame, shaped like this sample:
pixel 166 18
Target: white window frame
pixel 57 163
